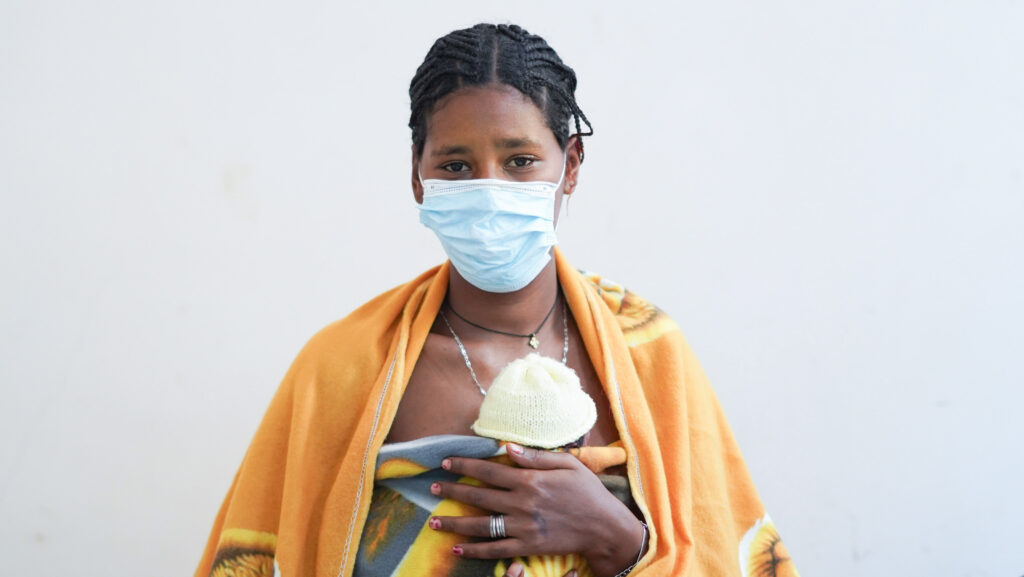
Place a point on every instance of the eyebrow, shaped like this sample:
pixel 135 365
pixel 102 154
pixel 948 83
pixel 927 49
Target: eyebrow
pixel 516 142
pixel 503 143
pixel 451 150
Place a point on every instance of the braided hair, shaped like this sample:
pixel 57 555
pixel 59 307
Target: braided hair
pixel 505 54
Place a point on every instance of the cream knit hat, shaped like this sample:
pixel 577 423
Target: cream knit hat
pixel 536 401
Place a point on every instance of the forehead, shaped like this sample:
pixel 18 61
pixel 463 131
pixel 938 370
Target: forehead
pixel 486 114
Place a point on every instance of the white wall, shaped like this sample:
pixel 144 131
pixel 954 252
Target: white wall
pixel 829 197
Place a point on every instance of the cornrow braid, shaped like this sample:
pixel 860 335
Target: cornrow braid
pixel 505 54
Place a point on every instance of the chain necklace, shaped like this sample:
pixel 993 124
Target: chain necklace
pixel 534 342
pixel 465 355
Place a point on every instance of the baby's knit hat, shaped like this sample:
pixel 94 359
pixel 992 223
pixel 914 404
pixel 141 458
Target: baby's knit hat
pixel 536 401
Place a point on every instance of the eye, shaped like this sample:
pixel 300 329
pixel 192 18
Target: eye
pixel 521 162
pixel 456 166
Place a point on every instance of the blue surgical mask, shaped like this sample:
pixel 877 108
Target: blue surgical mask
pixel 497 233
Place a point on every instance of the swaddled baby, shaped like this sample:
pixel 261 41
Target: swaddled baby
pixel 538 402
pixel 535 401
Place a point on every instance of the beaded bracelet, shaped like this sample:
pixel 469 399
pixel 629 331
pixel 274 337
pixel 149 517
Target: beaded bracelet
pixel 643 542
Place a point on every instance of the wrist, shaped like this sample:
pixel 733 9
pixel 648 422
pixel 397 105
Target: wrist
pixel 621 548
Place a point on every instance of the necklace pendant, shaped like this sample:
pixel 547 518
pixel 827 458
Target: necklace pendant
pixel 534 341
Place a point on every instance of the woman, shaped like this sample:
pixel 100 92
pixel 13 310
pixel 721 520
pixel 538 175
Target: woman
pixel 493 159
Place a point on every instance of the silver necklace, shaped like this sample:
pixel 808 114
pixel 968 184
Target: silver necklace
pixel 533 341
pixel 469 365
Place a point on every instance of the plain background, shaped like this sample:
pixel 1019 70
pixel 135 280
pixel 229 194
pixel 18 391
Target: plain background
pixel 827 196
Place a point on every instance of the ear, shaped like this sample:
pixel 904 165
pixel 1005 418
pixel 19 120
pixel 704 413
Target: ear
pixel 573 161
pixel 417 186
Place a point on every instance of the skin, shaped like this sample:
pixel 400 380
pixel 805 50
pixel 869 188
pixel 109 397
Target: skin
pixel 551 502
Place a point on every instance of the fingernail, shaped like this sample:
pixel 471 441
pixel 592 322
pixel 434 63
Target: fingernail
pixel 435 488
pixel 515 448
pixel 457 550
pixel 446 464
pixel 434 523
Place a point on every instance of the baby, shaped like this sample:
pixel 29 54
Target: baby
pixel 538 402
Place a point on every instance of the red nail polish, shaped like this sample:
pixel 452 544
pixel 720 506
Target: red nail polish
pixel 434 523
pixel 457 550
pixel 435 489
pixel 446 464
pixel 515 448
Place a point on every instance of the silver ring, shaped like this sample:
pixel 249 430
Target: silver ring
pixel 498 527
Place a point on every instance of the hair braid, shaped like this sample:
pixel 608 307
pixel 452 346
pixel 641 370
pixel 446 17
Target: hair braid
pixel 502 54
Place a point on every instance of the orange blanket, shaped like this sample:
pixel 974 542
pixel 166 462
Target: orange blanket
pixel 299 500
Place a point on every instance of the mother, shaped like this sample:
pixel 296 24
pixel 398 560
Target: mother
pixel 493 158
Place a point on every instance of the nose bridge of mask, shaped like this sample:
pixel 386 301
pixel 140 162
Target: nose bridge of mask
pixel 561 177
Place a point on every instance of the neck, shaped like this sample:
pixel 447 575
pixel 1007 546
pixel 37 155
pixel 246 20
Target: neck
pixel 518 312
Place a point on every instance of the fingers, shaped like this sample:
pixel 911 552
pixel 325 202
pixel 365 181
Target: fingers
pixel 489 472
pixel 535 459
pixel 497 500
pixel 474 526
pixel 504 476
pixel 500 549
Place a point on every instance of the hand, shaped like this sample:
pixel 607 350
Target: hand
pixel 516 570
pixel 553 505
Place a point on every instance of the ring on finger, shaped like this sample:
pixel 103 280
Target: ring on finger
pixel 498 526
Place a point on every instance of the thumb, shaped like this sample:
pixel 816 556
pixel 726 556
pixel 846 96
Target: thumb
pixel 514 570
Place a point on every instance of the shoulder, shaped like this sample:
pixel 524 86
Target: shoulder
pixel 359 343
pixel 661 355
pixel 640 320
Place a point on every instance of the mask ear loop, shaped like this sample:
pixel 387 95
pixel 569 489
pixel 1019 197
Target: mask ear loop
pixel 565 162
pixel 567 197
pixel 419 176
